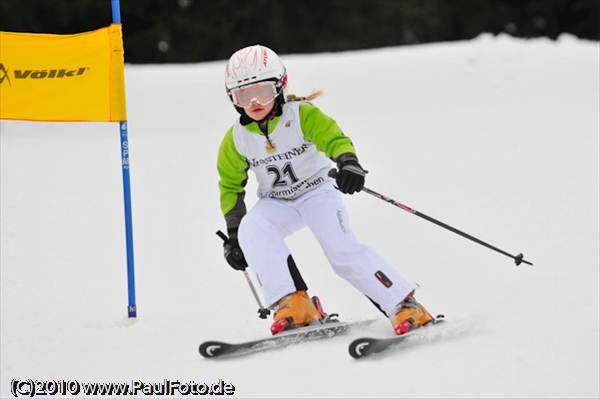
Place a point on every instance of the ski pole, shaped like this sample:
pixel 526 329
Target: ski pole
pixel 517 258
pixel 262 311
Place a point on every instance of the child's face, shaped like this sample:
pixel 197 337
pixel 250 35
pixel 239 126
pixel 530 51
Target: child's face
pixel 258 112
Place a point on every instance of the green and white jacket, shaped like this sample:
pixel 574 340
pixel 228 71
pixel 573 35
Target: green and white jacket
pixel 288 161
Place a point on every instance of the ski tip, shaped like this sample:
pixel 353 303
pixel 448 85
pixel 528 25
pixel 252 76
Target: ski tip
pixel 210 349
pixel 360 347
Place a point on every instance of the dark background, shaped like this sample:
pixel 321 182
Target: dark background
pixel 202 30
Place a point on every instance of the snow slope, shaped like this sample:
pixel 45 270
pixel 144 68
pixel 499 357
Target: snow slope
pixel 496 136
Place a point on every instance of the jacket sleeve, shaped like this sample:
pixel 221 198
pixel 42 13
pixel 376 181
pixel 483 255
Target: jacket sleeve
pixel 233 176
pixel 324 132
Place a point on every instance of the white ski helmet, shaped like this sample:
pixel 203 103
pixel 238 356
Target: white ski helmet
pixel 254 64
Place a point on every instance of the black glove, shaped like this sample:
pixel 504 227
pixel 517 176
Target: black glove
pixel 350 177
pixel 232 251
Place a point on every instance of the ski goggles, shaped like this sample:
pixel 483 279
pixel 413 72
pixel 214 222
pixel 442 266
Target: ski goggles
pixel 262 93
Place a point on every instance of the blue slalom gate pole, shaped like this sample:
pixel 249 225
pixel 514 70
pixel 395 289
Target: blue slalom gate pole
pixel 116 11
pixel 131 307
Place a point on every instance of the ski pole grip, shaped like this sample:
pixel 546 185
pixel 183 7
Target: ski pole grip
pixel 222 235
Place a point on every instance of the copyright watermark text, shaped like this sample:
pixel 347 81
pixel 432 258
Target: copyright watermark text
pixel 31 388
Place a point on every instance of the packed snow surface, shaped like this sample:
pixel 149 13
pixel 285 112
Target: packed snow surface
pixel 496 136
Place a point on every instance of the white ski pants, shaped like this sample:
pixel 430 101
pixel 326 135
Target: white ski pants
pixel 261 237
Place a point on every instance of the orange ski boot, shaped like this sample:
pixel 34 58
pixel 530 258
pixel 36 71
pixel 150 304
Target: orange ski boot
pixel 408 315
pixel 296 310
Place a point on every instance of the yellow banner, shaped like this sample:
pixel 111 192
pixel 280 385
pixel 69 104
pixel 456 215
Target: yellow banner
pixel 63 77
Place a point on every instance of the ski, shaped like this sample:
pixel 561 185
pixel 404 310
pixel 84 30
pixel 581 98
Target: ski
pixel 213 349
pixel 366 346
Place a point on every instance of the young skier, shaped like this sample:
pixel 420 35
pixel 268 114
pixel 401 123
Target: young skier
pixel 287 145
